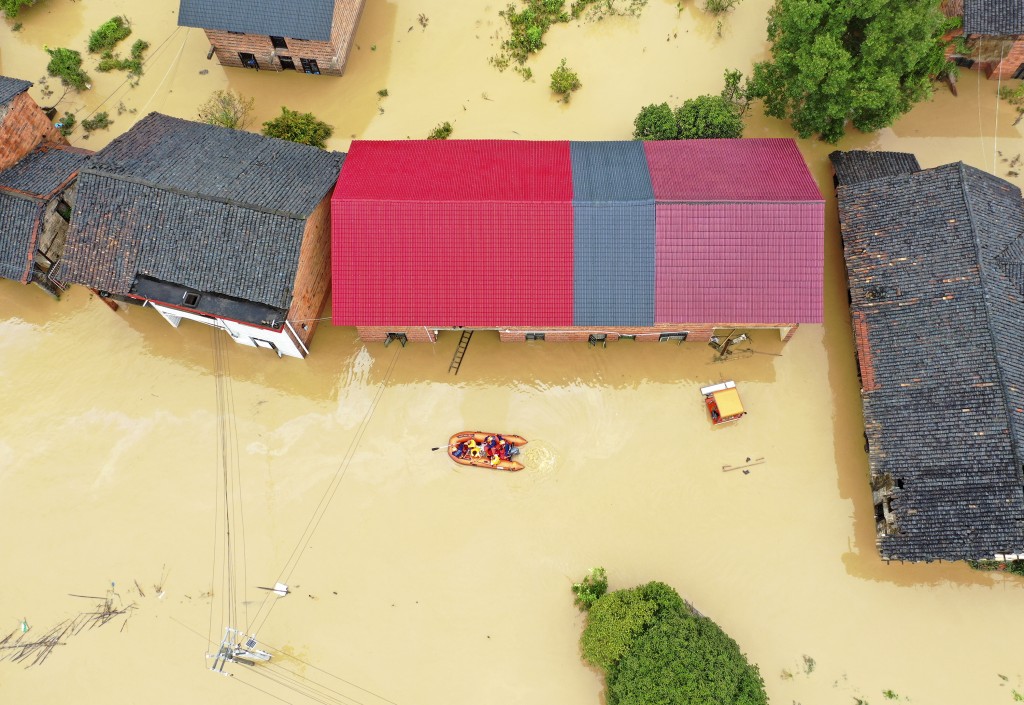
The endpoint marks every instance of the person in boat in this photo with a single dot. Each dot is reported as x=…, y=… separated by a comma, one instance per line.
x=460, y=450
x=495, y=460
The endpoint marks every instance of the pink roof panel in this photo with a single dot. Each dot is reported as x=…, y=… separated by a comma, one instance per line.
x=760, y=169
x=739, y=263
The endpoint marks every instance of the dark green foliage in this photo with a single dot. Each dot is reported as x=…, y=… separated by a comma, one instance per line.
x=66, y=64
x=382, y=93
x=100, y=121
x=655, y=122
x=303, y=128
x=736, y=91
x=1014, y=567
x=707, y=117
x=66, y=124
x=685, y=659
x=133, y=65
x=564, y=81
x=590, y=589
x=106, y=37
x=864, y=62
x=11, y=7
x=441, y=132
x=655, y=649
x=527, y=28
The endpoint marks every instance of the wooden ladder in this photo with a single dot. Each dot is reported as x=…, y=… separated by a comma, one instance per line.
x=460, y=351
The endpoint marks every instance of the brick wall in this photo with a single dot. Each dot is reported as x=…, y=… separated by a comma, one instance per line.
x=697, y=333
x=313, y=278
x=998, y=57
x=330, y=56
x=1012, y=60
x=23, y=125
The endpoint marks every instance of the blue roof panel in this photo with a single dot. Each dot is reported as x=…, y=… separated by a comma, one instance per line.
x=610, y=172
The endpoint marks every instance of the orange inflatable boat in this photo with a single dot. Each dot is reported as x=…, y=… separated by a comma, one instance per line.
x=470, y=448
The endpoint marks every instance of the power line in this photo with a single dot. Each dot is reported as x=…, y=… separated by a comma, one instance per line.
x=306, y=663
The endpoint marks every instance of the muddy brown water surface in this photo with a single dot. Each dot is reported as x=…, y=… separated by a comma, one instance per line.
x=426, y=583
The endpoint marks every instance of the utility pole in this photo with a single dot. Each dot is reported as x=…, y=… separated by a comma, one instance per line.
x=234, y=650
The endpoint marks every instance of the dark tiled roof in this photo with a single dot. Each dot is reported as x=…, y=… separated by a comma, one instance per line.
x=928, y=255
x=994, y=17
x=212, y=209
x=18, y=217
x=298, y=19
x=613, y=235
x=228, y=165
x=42, y=171
x=859, y=165
x=10, y=88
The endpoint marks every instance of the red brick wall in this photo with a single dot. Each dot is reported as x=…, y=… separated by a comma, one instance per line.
x=986, y=52
x=313, y=278
x=697, y=333
x=23, y=126
x=330, y=56
x=1012, y=60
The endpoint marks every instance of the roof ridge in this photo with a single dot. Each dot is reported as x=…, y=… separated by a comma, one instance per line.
x=192, y=194
x=988, y=317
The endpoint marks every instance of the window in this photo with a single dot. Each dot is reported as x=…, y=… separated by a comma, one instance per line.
x=248, y=60
x=190, y=299
x=400, y=337
x=63, y=210
x=286, y=63
x=278, y=42
x=230, y=32
x=678, y=337
x=596, y=338
x=535, y=336
x=310, y=66
x=627, y=337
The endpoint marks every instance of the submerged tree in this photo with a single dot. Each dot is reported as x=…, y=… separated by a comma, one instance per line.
x=707, y=117
x=11, y=7
x=303, y=128
x=227, y=109
x=864, y=62
x=655, y=122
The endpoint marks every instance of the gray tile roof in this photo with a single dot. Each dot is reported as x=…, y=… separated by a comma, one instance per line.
x=298, y=19
x=209, y=208
x=17, y=219
x=613, y=235
x=43, y=170
x=10, y=88
x=859, y=165
x=994, y=17
x=939, y=340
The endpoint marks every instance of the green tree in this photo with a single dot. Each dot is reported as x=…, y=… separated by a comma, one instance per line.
x=227, y=109
x=708, y=116
x=11, y=7
x=66, y=64
x=564, y=81
x=655, y=122
x=685, y=659
x=108, y=34
x=613, y=623
x=590, y=589
x=303, y=128
x=841, y=61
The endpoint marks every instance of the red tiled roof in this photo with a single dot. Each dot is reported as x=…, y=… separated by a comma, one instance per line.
x=739, y=263
x=459, y=233
x=761, y=169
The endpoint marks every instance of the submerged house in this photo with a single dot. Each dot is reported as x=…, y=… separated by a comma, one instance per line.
x=310, y=36
x=994, y=34
x=37, y=188
x=935, y=259
x=576, y=241
x=208, y=224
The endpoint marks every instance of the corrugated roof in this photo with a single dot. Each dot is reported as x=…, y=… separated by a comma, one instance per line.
x=994, y=17
x=11, y=88
x=927, y=257
x=740, y=263
x=859, y=165
x=760, y=169
x=43, y=170
x=298, y=19
x=613, y=235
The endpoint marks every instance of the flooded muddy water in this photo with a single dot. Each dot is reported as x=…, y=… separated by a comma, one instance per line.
x=421, y=582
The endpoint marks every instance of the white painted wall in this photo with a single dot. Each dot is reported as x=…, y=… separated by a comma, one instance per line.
x=283, y=342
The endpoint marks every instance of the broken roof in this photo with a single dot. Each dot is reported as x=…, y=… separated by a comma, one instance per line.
x=933, y=259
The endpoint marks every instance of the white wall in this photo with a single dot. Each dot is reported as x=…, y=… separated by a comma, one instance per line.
x=255, y=337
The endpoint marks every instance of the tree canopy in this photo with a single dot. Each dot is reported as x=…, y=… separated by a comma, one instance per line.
x=708, y=117
x=840, y=61
x=294, y=126
x=654, y=648
x=655, y=122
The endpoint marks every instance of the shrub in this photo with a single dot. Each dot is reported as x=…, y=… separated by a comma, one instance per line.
x=111, y=61
x=11, y=7
x=227, y=109
x=441, y=132
x=382, y=93
x=100, y=122
x=303, y=128
x=109, y=34
x=66, y=64
x=527, y=28
x=708, y=116
x=66, y=124
x=655, y=122
x=719, y=7
x=590, y=589
x=564, y=81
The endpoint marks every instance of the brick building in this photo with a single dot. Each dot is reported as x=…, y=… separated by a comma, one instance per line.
x=37, y=187
x=935, y=260
x=309, y=36
x=576, y=241
x=208, y=224
x=994, y=33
